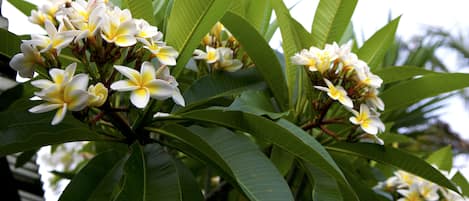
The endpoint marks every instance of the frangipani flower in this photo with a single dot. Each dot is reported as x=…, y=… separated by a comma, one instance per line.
x=55, y=40
x=166, y=55
x=38, y=17
x=428, y=190
x=227, y=63
x=373, y=99
x=143, y=84
x=411, y=194
x=369, y=123
x=145, y=30
x=64, y=94
x=91, y=27
x=305, y=58
x=163, y=74
x=368, y=78
x=24, y=62
x=336, y=93
x=59, y=78
x=97, y=95
x=122, y=33
x=211, y=56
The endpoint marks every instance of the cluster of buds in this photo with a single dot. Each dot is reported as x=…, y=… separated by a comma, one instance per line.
x=221, y=50
x=105, y=41
x=408, y=187
x=345, y=78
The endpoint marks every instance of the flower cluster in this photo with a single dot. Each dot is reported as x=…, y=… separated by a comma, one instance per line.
x=221, y=50
x=346, y=79
x=105, y=41
x=409, y=187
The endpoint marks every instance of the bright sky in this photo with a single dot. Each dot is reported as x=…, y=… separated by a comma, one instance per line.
x=369, y=16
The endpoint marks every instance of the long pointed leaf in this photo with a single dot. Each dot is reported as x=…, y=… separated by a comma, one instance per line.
x=189, y=21
x=238, y=156
x=287, y=136
x=262, y=55
x=374, y=49
x=412, y=91
x=394, y=74
x=24, y=6
x=152, y=174
x=394, y=157
x=142, y=9
x=331, y=20
x=11, y=43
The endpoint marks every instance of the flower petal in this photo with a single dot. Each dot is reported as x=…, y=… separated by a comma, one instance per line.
x=160, y=89
x=130, y=73
x=42, y=84
x=124, y=85
x=140, y=97
x=177, y=97
x=77, y=100
x=59, y=115
x=147, y=72
x=125, y=40
x=45, y=107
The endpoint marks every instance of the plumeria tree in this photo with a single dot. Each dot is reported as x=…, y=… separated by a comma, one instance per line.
x=185, y=100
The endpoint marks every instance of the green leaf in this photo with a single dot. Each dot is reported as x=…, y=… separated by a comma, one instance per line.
x=394, y=157
x=21, y=130
x=325, y=187
x=331, y=20
x=442, y=158
x=374, y=49
x=24, y=6
x=255, y=102
x=412, y=91
x=287, y=136
x=189, y=22
x=257, y=13
x=461, y=181
x=240, y=157
x=399, y=73
x=11, y=43
x=98, y=179
x=152, y=174
x=219, y=85
x=262, y=55
x=142, y=9
x=282, y=159
x=294, y=38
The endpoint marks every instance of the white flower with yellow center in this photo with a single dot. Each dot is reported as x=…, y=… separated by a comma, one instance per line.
x=305, y=58
x=411, y=194
x=368, y=122
x=164, y=74
x=145, y=30
x=121, y=33
x=336, y=93
x=90, y=28
x=366, y=77
x=38, y=17
x=166, y=55
x=210, y=56
x=143, y=84
x=428, y=190
x=65, y=93
x=59, y=78
x=24, y=62
x=372, y=99
x=227, y=63
x=97, y=95
x=54, y=40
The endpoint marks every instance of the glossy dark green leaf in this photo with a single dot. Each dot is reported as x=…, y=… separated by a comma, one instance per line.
x=442, y=158
x=262, y=55
x=219, y=85
x=412, y=91
x=255, y=102
x=152, y=174
x=374, y=49
x=189, y=22
x=21, y=130
x=24, y=6
x=142, y=9
x=25, y=157
x=325, y=187
x=331, y=20
x=282, y=159
x=238, y=156
x=398, y=73
x=394, y=157
x=287, y=136
x=10, y=43
x=98, y=180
